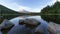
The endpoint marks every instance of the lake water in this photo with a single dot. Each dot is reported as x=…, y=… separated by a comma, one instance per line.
x=16, y=19
x=18, y=29
x=43, y=25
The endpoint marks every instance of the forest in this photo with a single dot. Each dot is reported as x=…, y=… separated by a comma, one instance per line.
x=51, y=13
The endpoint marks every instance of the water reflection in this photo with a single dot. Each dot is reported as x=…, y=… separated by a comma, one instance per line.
x=16, y=20
x=52, y=18
x=18, y=29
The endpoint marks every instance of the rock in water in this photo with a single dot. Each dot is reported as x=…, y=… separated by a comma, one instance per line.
x=21, y=22
x=30, y=22
x=51, y=30
x=39, y=30
x=6, y=25
x=56, y=27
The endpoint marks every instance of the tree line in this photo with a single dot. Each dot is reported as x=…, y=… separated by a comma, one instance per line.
x=51, y=13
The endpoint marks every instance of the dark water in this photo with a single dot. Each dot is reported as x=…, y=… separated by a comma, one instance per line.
x=52, y=18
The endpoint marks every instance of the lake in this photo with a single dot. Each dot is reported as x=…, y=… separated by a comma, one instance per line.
x=16, y=19
x=17, y=27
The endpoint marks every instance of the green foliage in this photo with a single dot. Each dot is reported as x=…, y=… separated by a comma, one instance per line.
x=51, y=13
x=55, y=9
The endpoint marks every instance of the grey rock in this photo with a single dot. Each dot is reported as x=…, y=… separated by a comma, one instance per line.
x=6, y=24
x=55, y=27
x=30, y=21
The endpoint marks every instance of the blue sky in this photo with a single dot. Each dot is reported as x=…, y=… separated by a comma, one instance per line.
x=29, y=5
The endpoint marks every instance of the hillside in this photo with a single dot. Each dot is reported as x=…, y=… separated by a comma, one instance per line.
x=51, y=13
x=52, y=10
x=5, y=10
x=7, y=13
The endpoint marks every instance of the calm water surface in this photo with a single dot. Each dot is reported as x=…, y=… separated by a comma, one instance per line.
x=16, y=20
x=17, y=27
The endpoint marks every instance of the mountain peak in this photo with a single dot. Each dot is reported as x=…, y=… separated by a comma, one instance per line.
x=23, y=11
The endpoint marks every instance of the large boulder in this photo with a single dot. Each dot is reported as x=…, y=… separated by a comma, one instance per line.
x=6, y=25
x=30, y=22
x=51, y=30
x=39, y=30
x=42, y=29
x=55, y=27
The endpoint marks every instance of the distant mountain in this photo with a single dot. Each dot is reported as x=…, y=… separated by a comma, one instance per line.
x=23, y=11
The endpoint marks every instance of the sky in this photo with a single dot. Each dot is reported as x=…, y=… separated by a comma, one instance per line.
x=29, y=5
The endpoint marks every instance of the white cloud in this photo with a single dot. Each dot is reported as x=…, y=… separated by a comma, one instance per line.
x=52, y=2
x=58, y=0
